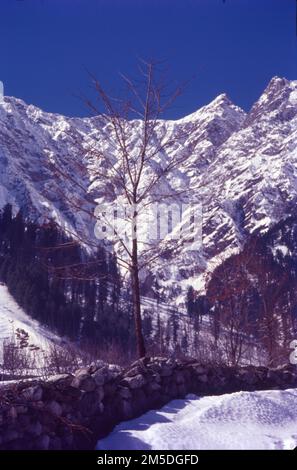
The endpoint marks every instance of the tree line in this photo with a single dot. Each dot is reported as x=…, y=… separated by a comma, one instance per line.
x=78, y=295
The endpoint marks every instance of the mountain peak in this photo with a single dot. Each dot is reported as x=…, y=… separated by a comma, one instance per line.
x=277, y=83
x=235, y=170
x=222, y=104
x=275, y=100
x=223, y=98
x=218, y=105
x=277, y=87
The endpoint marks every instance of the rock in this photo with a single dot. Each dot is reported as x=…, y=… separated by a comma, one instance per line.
x=42, y=443
x=134, y=382
x=82, y=371
x=10, y=435
x=90, y=402
x=60, y=379
x=33, y=393
x=181, y=389
x=70, y=395
x=47, y=419
x=199, y=370
x=166, y=371
x=23, y=420
x=138, y=368
x=113, y=371
x=101, y=407
x=271, y=375
x=125, y=409
x=84, y=382
x=100, y=376
x=100, y=394
x=124, y=392
x=55, y=443
x=67, y=441
x=35, y=429
x=109, y=389
x=173, y=390
x=157, y=377
x=133, y=371
x=139, y=401
x=250, y=377
x=139, y=364
x=165, y=399
x=13, y=413
x=55, y=408
x=154, y=386
x=187, y=375
x=38, y=405
x=154, y=399
x=170, y=362
x=203, y=378
x=158, y=360
x=154, y=367
x=179, y=378
x=97, y=365
x=21, y=409
x=66, y=408
x=288, y=377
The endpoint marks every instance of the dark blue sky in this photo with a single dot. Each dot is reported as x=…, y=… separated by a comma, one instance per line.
x=233, y=47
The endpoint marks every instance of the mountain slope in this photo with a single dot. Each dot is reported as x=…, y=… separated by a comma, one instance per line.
x=242, y=168
x=12, y=318
x=250, y=184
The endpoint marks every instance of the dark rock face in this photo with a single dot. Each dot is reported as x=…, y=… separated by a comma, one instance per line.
x=74, y=411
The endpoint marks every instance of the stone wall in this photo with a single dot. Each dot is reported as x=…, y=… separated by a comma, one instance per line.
x=74, y=411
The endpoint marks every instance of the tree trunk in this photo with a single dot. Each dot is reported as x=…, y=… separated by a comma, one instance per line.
x=136, y=301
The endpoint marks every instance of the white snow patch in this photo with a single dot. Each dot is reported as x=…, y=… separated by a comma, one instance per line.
x=13, y=317
x=242, y=420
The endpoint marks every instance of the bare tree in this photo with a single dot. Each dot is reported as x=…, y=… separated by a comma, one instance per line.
x=228, y=290
x=275, y=323
x=132, y=160
x=19, y=356
x=253, y=295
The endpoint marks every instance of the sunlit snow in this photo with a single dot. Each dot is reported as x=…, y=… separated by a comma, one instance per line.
x=12, y=317
x=243, y=420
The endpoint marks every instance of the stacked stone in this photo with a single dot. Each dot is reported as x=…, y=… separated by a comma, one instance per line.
x=74, y=411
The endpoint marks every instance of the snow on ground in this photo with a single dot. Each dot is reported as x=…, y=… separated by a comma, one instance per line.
x=242, y=420
x=13, y=317
x=252, y=352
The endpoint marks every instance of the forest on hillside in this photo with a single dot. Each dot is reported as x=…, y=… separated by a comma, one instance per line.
x=253, y=294
x=250, y=298
x=55, y=281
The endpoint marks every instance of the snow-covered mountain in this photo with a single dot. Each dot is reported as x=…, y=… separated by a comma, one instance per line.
x=241, y=167
x=248, y=185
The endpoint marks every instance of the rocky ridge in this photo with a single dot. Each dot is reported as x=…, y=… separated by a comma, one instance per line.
x=240, y=167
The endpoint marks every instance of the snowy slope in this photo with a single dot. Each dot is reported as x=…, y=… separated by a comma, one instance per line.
x=13, y=317
x=250, y=184
x=242, y=168
x=243, y=420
